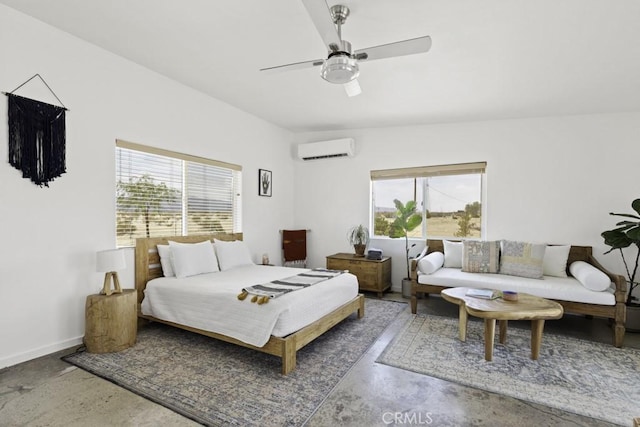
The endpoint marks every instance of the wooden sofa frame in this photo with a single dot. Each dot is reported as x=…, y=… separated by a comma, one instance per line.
x=617, y=313
x=148, y=267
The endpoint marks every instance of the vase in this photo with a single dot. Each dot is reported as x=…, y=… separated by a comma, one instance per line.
x=633, y=318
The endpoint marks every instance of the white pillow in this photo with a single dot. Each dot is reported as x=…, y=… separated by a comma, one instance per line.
x=190, y=259
x=590, y=277
x=165, y=261
x=431, y=263
x=554, y=262
x=422, y=254
x=232, y=254
x=452, y=254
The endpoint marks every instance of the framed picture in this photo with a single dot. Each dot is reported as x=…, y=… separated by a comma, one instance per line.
x=265, y=183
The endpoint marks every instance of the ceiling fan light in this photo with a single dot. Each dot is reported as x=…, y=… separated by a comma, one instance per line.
x=340, y=69
x=352, y=88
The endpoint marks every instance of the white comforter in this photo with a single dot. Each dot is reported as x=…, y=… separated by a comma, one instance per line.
x=209, y=302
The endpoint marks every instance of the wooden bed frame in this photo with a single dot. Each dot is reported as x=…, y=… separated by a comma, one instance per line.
x=148, y=267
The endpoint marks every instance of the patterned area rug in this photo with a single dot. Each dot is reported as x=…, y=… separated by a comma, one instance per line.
x=582, y=377
x=216, y=383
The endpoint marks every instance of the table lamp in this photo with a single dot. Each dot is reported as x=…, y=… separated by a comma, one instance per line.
x=109, y=261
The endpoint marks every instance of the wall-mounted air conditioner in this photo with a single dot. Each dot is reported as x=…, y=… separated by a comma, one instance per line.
x=327, y=149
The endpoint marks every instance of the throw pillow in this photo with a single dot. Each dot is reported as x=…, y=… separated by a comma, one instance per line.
x=555, y=260
x=522, y=259
x=452, y=254
x=431, y=263
x=480, y=257
x=190, y=259
x=589, y=276
x=232, y=254
x=165, y=260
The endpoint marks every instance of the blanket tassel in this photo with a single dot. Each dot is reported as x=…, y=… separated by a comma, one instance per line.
x=242, y=295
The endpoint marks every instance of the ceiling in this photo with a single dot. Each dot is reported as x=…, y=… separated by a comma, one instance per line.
x=491, y=59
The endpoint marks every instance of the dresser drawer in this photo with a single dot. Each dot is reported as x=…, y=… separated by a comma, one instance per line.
x=373, y=275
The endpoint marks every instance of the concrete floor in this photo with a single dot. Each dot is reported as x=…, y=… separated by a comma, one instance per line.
x=49, y=392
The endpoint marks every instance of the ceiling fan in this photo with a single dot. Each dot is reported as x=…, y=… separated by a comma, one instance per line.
x=341, y=65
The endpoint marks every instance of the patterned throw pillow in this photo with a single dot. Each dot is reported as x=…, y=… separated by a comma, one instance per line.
x=522, y=259
x=480, y=257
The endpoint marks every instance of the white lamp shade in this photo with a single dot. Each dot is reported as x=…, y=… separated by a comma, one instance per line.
x=110, y=260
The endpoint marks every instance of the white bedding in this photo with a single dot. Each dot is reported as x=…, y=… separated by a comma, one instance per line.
x=209, y=302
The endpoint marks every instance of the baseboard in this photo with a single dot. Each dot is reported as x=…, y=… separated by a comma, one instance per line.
x=39, y=352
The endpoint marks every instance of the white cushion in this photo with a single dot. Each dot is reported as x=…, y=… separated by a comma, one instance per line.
x=422, y=254
x=165, y=261
x=558, y=288
x=190, y=259
x=555, y=260
x=452, y=254
x=232, y=254
x=589, y=276
x=431, y=263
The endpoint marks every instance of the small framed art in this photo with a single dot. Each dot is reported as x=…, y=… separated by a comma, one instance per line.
x=265, y=183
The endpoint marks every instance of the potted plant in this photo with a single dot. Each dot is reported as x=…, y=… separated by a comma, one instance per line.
x=625, y=235
x=358, y=237
x=407, y=219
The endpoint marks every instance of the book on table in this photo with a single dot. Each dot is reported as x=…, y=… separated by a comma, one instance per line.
x=483, y=293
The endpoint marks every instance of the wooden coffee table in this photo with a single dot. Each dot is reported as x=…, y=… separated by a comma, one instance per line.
x=528, y=307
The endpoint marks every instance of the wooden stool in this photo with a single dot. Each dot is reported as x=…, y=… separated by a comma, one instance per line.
x=111, y=322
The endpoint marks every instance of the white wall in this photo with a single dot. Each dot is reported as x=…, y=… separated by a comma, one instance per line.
x=548, y=179
x=50, y=235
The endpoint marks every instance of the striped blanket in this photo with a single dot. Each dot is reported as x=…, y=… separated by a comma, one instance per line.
x=274, y=289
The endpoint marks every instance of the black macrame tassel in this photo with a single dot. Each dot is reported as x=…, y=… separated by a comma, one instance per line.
x=36, y=139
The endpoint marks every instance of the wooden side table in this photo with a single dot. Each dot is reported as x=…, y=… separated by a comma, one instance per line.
x=111, y=322
x=373, y=275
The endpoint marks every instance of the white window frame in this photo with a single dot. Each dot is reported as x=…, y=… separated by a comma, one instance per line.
x=426, y=172
x=186, y=159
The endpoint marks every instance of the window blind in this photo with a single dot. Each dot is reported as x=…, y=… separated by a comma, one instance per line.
x=164, y=193
x=428, y=171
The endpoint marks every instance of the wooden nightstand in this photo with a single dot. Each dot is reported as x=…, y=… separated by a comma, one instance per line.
x=111, y=322
x=373, y=275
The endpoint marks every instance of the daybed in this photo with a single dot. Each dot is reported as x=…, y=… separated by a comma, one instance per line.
x=208, y=304
x=568, y=291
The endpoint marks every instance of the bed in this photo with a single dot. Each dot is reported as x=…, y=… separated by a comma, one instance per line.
x=298, y=322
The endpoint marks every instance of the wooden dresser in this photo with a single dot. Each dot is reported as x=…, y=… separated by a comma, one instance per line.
x=373, y=275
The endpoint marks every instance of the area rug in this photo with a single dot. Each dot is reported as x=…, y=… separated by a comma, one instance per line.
x=216, y=383
x=583, y=377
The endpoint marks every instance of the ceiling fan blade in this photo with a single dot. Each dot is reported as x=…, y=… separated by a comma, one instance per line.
x=294, y=66
x=405, y=47
x=352, y=88
x=321, y=17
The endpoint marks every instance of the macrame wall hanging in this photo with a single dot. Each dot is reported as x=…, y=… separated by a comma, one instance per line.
x=36, y=136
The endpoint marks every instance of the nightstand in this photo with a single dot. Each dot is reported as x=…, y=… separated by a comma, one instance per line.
x=110, y=322
x=373, y=275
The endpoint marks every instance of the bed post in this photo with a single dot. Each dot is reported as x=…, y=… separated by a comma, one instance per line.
x=288, y=354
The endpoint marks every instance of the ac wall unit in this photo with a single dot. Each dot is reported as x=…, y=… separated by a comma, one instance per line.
x=344, y=147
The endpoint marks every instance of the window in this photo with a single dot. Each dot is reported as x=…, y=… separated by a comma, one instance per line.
x=449, y=197
x=163, y=193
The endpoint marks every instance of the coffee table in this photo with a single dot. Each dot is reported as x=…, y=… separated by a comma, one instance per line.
x=527, y=307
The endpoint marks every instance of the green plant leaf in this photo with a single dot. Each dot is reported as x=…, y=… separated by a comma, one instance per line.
x=636, y=205
x=616, y=239
x=634, y=234
x=625, y=215
x=413, y=222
